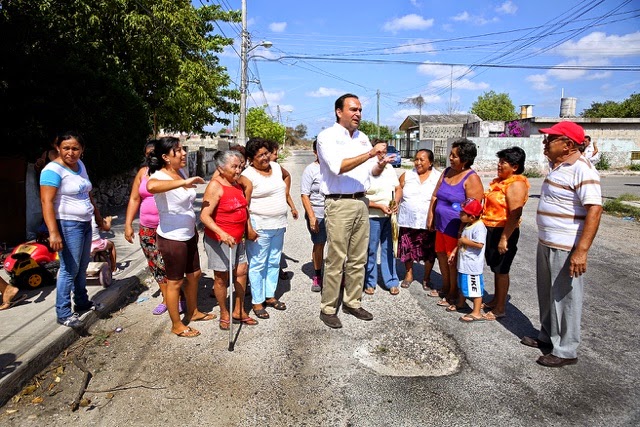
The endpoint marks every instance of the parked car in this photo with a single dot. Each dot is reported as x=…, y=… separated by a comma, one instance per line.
x=398, y=160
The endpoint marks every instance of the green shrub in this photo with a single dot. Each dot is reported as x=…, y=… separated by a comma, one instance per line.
x=635, y=167
x=603, y=164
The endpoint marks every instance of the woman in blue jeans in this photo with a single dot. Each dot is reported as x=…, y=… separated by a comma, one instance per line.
x=266, y=192
x=67, y=208
x=381, y=205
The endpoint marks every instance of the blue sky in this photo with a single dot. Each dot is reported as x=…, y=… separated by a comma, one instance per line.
x=322, y=49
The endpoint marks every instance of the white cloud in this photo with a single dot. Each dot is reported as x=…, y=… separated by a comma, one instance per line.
x=415, y=3
x=324, y=92
x=463, y=17
x=600, y=75
x=413, y=46
x=561, y=74
x=446, y=76
x=437, y=70
x=271, y=98
x=599, y=45
x=408, y=22
x=447, y=27
x=474, y=19
x=508, y=8
x=539, y=81
x=278, y=27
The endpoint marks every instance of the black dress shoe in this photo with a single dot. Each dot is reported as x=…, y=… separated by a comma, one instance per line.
x=535, y=343
x=359, y=312
x=331, y=320
x=552, y=361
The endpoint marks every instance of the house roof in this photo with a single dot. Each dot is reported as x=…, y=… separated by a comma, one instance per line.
x=582, y=120
x=412, y=121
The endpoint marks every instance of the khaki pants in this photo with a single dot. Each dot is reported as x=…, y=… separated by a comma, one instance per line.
x=347, y=222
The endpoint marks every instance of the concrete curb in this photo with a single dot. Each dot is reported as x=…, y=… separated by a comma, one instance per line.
x=38, y=357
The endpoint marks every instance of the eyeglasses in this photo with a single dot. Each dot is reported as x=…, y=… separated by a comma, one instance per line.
x=548, y=139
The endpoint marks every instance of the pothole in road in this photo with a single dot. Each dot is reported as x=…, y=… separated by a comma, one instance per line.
x=400, y=354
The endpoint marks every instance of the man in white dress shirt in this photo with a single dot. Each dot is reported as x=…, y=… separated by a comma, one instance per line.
x=347, y=159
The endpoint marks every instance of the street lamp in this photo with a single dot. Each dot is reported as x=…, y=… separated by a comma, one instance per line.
x=244, y=60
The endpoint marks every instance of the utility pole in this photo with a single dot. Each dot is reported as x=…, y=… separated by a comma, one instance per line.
x=245, y=48
x=378, y=109
x=244, y=44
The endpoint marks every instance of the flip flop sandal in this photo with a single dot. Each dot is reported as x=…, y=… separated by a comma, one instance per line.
x=405, y=284
x=206, y=317
x=468, y=318
x=188, y=333
x=278, y=305
x=224, y=325
x=246, y=321
x=261, y=314
x=443, y=303
x=486, y=307
x=454, y=307
x=369, y=291
x=490, y=315
x=160, y=309
x=15, y=301
x=394, y=290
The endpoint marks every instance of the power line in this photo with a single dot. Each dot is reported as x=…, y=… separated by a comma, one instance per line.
x=451, y=64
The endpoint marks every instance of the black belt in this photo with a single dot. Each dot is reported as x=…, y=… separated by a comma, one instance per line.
x=345, y=196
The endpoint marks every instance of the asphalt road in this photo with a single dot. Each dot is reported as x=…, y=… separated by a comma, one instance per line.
x=413, y=365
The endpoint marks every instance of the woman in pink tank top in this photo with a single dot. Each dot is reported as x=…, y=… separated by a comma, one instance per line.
x=141, y=200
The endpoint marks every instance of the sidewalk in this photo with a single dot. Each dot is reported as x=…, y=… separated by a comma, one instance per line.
x=30, y=337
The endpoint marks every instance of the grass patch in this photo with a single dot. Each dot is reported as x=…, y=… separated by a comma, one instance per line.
x=635, y=167
x=617, y=208
x=532, y=173
x=627, y=197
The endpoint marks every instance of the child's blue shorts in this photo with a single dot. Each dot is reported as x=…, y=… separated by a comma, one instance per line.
x=471, y=285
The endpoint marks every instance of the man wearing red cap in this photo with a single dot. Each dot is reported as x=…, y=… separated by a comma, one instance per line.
x=568, y=217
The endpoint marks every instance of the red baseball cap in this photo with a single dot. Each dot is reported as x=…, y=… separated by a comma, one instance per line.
x=569, y=129
x=472, y=207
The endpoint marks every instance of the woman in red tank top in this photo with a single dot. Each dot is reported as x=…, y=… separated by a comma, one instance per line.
x=224, y=214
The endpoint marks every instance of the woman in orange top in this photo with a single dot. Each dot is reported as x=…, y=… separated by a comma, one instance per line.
x=503, y=206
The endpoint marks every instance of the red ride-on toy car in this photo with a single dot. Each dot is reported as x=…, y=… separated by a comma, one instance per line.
x=32, y=265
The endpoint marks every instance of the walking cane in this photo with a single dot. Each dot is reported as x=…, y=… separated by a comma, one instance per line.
x=230, y=299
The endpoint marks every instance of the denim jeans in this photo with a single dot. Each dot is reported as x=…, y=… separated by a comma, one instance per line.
x=264, y=263
x=74, y=259
x=380, y=235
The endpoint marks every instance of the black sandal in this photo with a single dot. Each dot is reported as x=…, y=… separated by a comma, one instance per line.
x=278, y=305
x=261, y=314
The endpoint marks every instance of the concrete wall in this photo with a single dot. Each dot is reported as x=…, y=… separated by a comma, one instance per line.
x=616, y=150
x=488, y=147
x=484, y=128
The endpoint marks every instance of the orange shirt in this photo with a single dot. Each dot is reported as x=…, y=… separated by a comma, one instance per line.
x=496, y=209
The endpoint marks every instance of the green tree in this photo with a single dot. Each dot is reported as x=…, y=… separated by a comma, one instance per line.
x=110, y=69
x=371, y=130
x=629, y=108
x=260, y=125
x=494, y=106
x=300, y=131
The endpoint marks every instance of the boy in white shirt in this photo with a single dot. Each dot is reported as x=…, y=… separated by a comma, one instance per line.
x=470, y=251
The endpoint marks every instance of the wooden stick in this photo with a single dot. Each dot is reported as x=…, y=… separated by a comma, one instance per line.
x=85, y=382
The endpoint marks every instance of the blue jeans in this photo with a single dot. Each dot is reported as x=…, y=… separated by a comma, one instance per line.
x=264, y=263
x=74, y=259
x=380, y=235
